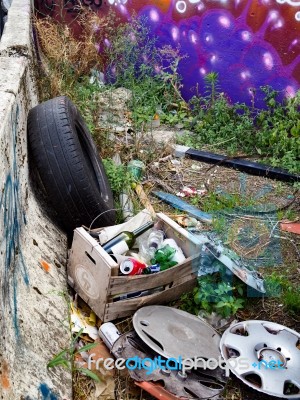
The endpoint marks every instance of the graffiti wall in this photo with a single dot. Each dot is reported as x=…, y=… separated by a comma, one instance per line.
x=250, y=43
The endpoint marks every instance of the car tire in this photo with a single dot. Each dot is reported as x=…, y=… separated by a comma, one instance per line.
x=69, y=166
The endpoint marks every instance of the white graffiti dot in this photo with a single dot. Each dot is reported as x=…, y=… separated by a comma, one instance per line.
x=224, y=21
x=268, y=60
x=246, y=36
x=175, y=33
x=181, y=6
x=279, y=24
x=297, y=16
x=194, y=1
x=111, y=2
x=154, y=16
x=193, y=37
x=208, y=39
x=245, y=74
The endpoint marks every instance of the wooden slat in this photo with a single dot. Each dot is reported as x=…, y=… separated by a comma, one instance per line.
x=125, y=308
x=125, y=284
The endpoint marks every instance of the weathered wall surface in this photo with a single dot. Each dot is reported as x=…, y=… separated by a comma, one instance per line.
x=250, y=43
x=33, y=312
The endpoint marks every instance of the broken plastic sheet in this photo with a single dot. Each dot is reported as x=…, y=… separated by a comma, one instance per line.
x=250, y=239
x=253, y=234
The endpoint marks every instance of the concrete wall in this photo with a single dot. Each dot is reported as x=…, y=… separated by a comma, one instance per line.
x=249, y=43
x=33, y=311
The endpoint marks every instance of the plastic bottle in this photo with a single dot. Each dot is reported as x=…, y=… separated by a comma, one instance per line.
x=149, y=246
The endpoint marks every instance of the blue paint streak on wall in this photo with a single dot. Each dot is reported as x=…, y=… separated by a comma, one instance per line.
x=12, y=217
x=47, y=393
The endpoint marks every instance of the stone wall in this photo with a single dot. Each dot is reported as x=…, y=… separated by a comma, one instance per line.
x=33, y=313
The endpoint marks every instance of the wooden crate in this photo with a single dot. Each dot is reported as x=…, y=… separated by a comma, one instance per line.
x=94, y=274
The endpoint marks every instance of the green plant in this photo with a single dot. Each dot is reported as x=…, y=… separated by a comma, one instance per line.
x=213, y=295
x=66, y=358
x=276, y=284
x=280, y=286
x=119, y=177
x=219, y=201
x=291, y=300
x=272, y=133
x=187, y=303
x=135, y=62
x=218, y=297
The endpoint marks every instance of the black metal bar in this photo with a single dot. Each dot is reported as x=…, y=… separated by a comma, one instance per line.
x=243, y=165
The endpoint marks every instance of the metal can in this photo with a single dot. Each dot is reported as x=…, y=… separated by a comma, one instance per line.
x=152, y=269
x=131, y=266
x=109, y=333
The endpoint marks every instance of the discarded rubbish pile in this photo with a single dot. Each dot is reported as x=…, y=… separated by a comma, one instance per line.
x=115, y=280
x=170, y=346
x=172, y=354
x=119, y=269
x=150, y=260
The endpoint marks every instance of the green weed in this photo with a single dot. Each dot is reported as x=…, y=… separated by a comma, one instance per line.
x=66, y=358
x=214, y=295
x=120, y=179
x=273, y=133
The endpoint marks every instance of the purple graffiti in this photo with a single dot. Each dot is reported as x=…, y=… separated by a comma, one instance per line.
x=218, y=42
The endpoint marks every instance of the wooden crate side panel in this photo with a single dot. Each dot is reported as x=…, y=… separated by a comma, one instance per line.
x=126, y=308
x=120, y=284
x=189, y=244
x=89, y=271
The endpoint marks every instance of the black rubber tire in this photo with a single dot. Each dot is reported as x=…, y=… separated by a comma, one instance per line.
x=68, y=163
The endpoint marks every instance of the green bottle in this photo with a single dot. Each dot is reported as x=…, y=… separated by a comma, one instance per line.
x=121, y=243
x=163, y=257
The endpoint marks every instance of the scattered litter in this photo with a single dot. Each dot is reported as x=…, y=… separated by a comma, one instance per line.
x=293, y=227
x=187, y=222
x=86, y=322
x=188, y=191
x=109, y=333
x=177, y=335
x=166, y=158
x=175, y=162
x=196, y=167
